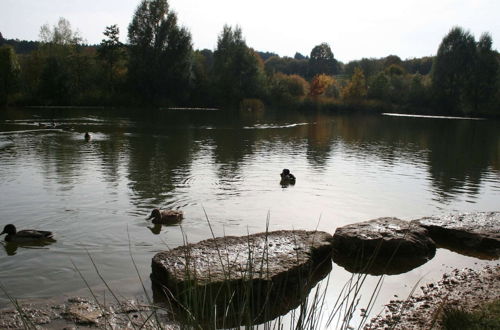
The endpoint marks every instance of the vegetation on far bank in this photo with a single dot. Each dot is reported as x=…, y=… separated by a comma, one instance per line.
x=159, y=67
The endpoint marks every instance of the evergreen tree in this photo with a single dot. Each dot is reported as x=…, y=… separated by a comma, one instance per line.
x=112, y=53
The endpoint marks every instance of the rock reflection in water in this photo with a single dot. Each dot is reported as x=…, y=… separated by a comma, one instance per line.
x=245, y=303
x=378, y=264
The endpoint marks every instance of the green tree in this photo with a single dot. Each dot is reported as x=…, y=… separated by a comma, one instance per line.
x=112, y=54
x=379, y=87
x=485, y=77
x=322, y=61
x=9, y=74
x=66, y=75
x=60, y=39
x=453, y=69
x=160, y=54
x=55, y=82
x=238, y=70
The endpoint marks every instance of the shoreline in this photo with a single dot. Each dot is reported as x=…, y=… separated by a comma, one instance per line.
x=466, y=288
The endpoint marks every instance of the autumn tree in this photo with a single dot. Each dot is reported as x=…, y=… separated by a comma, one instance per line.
x=356, y=88
x=160, y=54
x=322, y=61
x=323, y=84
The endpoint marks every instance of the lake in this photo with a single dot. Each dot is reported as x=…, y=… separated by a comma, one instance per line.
x=224, y=166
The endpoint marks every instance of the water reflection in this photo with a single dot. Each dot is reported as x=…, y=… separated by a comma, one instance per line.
x=349, y=168
x=12, y=247
x=158, y=157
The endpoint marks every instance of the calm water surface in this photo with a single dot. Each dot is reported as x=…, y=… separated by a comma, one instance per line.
x=96, y=195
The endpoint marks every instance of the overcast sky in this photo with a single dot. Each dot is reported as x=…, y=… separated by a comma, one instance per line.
x=353, y=28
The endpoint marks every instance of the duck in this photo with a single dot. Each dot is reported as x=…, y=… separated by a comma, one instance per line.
x=27, y=235
x=166, y=217
x=287, y=177
x=87, y=136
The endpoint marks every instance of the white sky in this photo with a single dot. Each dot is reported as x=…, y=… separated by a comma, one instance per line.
x=353, y=28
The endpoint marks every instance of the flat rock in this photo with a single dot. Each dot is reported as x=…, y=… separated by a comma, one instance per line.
x=475, y=234
x=82, y=311
x=230, y=273
x=382, y=246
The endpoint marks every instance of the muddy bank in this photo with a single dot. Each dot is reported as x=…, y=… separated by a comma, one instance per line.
x=466, y=288
x=80, y=312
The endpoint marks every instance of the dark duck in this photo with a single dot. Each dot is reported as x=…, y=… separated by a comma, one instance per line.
x=166, y=217
x=287, y=177
x=27, y=235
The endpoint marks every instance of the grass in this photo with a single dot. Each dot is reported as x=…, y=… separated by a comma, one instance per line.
x=486, y=317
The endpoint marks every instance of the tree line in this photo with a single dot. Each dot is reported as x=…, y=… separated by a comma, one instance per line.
x=159, y=67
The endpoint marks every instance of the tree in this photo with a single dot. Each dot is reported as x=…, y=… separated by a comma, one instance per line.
x=485, y=76
x=160, y=54
x=55, y=82
x=9, y=73
x=112, y=53
x=356, y=88
x=453, y=69
x=465, y=73
x=379, y=87
x=322, y=61
x=321, y=84
x=299, y=56
x=60, y=39
x=65, y=74
x=238, y=70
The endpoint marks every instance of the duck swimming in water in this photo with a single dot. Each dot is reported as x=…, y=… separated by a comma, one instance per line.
x=22, y=236
x=287, y=177
x=166, y=217
x=87, y=136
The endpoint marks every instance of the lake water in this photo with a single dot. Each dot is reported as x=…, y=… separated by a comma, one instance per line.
x=96, y=195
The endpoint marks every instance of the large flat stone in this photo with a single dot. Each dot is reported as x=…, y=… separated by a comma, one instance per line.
x=242, y=280
x=382, y=246
x=475, y=234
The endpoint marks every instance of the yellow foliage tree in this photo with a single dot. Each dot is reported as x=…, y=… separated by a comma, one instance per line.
x=320, y=84
x=356, y=88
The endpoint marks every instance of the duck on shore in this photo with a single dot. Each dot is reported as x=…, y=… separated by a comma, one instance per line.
x=27, y=235
x=166, y=217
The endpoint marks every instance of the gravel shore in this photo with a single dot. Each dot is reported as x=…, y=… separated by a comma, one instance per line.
x=466, y=288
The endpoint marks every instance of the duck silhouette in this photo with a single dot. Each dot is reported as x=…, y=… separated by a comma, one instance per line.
x=87, y=136
x=166, y=217
x=287, y=177
x=24, y=236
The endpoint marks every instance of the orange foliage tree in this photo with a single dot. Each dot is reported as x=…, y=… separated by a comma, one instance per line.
x=322, y=84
